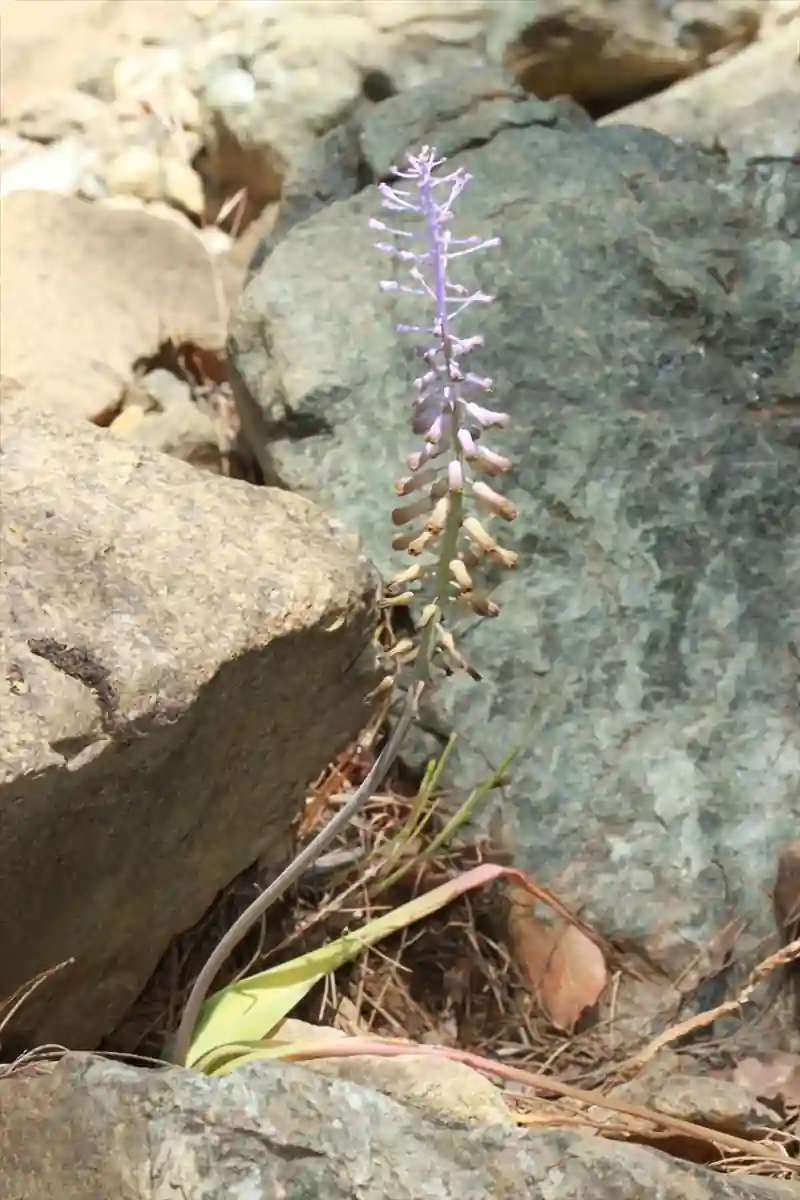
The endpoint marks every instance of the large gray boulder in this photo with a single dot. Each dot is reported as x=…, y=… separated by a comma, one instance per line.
x=644, y=342
x=182, y=654
x=92, y=1130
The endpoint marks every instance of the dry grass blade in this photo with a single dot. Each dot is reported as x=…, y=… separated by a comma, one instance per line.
x=781, y=958
x=13, y=1003
x=33, y=1061
x=542, y=1083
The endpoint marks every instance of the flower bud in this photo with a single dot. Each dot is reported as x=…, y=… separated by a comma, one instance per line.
x=494, y=501
x=461, y=575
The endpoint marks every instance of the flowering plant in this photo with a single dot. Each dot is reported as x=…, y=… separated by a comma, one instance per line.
x=447, y=487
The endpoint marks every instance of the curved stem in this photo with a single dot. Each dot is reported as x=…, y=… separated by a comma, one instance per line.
x=306, y=858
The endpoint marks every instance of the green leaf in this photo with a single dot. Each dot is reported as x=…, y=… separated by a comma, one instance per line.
x=265, y=1051
x=211, y=1062
x=250, y=1009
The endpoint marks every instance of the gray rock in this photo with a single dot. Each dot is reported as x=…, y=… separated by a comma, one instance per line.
x=281, y=1130
x=181, y=657
x=310, y=67
x=703, y=1100
x=643, y=341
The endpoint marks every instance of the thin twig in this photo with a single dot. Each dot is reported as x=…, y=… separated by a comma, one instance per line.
x=361, y=1046
x=781, y=958
x=13, y=1003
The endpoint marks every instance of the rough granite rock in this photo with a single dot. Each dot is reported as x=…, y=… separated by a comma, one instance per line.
x=704, y=1100
x=749, y=104
x=644, y=342
x=161, y=414
x=92, y=1130
x=182, y=655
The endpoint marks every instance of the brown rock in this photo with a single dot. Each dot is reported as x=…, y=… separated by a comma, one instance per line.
x=749, y=103
x=181, y=656
x=143, y=172
x=600, y=51
x=161, y=415
x=42, y=40
x=88, y=291
x=445, y=1089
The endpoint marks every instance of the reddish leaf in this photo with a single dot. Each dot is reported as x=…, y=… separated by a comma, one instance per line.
x=533, y=940
x=574, y=979
x=565, y=967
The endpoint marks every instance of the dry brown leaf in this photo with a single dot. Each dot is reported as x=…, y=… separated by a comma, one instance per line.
x=564, y=966
x=786, y=896
x=532, y=939
x=574, y=979
x=773, y=1078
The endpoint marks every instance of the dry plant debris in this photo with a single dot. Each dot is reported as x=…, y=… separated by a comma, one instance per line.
x=491, y=981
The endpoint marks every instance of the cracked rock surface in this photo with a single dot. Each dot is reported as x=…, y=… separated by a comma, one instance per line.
x=179, y=661
x=281, y=1130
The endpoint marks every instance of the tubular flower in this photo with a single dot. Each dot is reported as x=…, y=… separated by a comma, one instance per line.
x=447, y=410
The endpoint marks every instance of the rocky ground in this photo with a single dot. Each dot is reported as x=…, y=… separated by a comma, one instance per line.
x=189, y=312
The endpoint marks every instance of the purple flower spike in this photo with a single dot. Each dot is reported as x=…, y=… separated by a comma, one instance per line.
x=444, y=411
x=442, y=406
